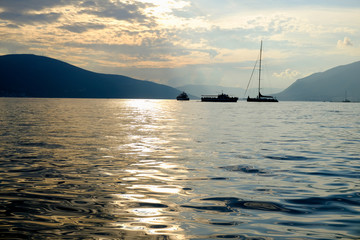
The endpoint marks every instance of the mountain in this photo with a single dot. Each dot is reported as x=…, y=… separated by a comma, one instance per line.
x=331, y=85
x=198, y=90
x=26, y=75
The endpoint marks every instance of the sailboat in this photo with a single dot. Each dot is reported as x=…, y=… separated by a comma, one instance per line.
x=346, y=99
x=260, y=97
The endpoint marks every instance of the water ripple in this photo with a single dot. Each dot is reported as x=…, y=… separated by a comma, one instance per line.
x=162, y=169
x=230, y=204
x=244, y=169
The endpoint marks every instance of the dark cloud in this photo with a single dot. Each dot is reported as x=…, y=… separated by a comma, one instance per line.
x=12, y=26
x=131, y=12
x=19, y=11
x=88, y=4
x=29, y=5
x=82, y=27
x=27, y=18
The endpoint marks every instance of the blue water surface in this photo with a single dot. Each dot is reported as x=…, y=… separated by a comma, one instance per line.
x=163, y=169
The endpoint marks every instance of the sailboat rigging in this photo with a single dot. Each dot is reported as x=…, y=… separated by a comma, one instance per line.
x=260, y=97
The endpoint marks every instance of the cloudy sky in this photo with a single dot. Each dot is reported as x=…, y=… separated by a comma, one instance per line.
x=178, y=42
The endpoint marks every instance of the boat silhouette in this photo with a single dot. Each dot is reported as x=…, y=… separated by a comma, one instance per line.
x=183, y=97
x=218, y=98
x=260, y=97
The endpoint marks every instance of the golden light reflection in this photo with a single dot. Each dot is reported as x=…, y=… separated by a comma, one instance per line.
x=158, y=189
x=145, y=104
x=148, y=211
x=158, y=229
x=150, y=184
x=148, y=122
x=149, y=180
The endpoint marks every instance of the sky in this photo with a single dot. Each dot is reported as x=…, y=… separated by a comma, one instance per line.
x=180, y=42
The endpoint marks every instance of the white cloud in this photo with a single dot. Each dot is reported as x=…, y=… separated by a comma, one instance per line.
x=344, y=43
x=287, y=74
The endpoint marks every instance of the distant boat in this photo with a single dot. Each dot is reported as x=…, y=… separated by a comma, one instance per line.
x=218, y=98
x=346, y=99
x=260, y=97
x=183, y=97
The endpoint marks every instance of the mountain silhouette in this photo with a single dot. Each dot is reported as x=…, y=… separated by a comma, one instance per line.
x=331, y=85
x=26, y=75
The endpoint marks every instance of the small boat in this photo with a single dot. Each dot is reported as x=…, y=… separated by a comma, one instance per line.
x=346, y=99
x=183, y=97
x=260, y=97
x=218, y=98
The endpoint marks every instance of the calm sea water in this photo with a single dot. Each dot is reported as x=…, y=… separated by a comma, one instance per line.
x=162, y=169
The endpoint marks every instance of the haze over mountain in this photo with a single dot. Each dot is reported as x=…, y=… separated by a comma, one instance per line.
x=331, y=85
x=25, y=75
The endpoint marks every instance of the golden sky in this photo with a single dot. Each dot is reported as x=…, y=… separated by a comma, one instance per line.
x=183, y=42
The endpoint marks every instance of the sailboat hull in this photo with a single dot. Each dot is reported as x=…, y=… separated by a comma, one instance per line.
x=262, y=100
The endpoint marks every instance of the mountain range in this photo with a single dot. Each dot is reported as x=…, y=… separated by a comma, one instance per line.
x=27, y=75
x=332, y=85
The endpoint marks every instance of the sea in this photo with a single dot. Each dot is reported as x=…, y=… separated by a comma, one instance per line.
x=167, y=169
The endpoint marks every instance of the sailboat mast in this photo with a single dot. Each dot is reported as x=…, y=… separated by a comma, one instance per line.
x=260, y=67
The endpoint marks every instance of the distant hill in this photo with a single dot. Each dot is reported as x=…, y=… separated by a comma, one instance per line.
x=198, y=90
x=25, y=75
x=331, y=85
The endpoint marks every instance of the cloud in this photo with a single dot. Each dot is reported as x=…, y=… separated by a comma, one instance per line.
x=287, y=74
x=82, y=27
x=88, y=4
x=28, y=18
x=123, y=11
x=202, y=41
x=12, y=26
x=31, y=11
x=22, y=12
x=29, y=5
x=188, y=11
x=148, y=50
x=344, y=43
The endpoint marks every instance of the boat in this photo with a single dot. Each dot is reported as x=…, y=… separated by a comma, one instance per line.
x=183, y=97
x=218, y=98
x=260, y=97
x=346, y=99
